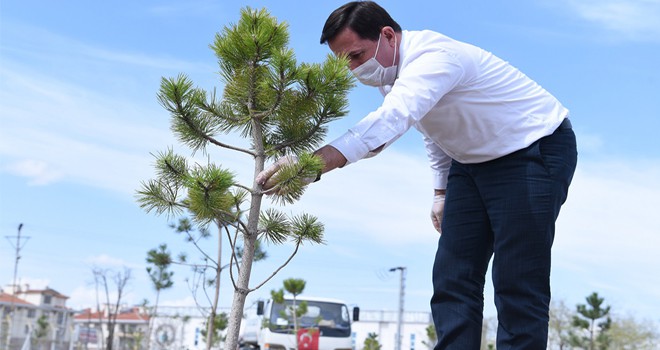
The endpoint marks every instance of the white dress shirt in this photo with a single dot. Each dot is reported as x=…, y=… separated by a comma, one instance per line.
x=468, y=104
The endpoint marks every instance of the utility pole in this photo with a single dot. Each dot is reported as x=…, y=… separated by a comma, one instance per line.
x=399, y=323
x=18, y=255
x=18, y=246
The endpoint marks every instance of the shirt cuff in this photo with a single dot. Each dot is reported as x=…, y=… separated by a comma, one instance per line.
x=439, y=180
x=350, y=146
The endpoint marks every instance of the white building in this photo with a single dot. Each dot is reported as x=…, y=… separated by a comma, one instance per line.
x=130, y=330
x=385, y=325
x=36, y=318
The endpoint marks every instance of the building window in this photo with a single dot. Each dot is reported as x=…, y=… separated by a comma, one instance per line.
x=32, y=313
x=48, y=299
x=60, y=318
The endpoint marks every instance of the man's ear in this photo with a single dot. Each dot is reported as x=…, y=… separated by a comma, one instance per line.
x=389, y=33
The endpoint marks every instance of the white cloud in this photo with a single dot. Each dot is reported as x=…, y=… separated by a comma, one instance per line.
x=54, y=129
x=629, y=19
x=83, y=297
x=203, y=7
x=590, y=143
x=611, y=209
x=89, y=296
x=387, y=198
x=26, y=283
x=105, y=261
x=187, y=301
x=37, y=171
x=34, y=43
x=607, y=235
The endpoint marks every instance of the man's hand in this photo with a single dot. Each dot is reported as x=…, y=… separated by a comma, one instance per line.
x=437, y=210
x=267, y=177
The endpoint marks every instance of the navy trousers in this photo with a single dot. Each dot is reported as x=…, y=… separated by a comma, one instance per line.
x=505, y=209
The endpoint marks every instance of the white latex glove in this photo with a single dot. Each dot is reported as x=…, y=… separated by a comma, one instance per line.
x=437, y=210
x=264, y=178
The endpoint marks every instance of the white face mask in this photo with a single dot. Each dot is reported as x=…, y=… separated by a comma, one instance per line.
x=373, y=73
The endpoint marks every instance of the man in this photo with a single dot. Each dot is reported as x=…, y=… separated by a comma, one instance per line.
x=502, y=153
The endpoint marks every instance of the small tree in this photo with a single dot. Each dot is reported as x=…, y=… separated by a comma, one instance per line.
x=295, y=287
x=220, y=324
x=371, y=342
x=629, y=333
x=560, y=325
x=161, y=278
x=206, y=274
x=431, y=336
x=120, y=280
x=41, y=332
x=586, y=320
x=138, y=337
x=282, y=108
x=488, y=333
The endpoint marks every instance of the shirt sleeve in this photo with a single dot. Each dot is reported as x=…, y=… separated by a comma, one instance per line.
x=420, y=85
x=440, y=163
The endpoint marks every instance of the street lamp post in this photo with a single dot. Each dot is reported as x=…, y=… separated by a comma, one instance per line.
x=399, y=323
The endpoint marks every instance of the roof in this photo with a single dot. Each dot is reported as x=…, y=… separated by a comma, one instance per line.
x=47, y=291
x=312, y=298
x=9, y=298
x=132, y=315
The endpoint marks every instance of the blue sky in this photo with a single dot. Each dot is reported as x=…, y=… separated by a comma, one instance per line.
x=79, y=119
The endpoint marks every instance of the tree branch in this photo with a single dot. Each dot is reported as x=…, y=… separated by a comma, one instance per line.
x=276, y=271
x=185, y=117
x=304, y=138
x=194, y=242
x=231, y=261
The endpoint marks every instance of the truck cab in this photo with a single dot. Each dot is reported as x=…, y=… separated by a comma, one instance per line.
x=326, y=325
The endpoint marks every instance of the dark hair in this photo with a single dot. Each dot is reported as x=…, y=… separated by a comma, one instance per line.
x=365, y=18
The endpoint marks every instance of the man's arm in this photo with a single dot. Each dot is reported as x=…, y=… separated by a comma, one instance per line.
x=332, y=158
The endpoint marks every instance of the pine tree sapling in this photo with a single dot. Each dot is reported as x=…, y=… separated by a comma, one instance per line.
x=432, y=337
x=295, y=287
x=371, y=342
x=159, y=261
x=41, y=331
x=281, y=107
x=220, y=324
x=587, y=321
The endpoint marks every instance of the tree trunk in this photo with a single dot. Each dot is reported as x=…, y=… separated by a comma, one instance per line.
x=242, y=285
x=241, y=289
x=591, y=334
x=295, y=321
x=152, y=317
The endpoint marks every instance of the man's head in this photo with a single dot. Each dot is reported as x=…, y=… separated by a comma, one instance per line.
x=365, y=18
x=362, y=30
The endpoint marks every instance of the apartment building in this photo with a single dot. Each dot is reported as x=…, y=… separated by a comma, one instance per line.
x=130, y=331
x=37, y=318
